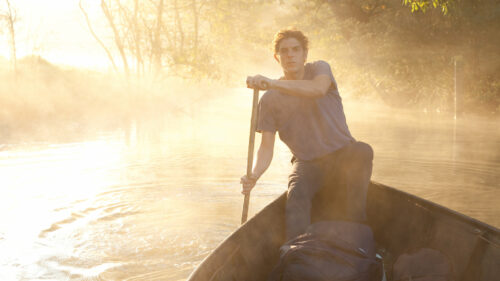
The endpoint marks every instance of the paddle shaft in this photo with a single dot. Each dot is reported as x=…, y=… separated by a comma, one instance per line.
x=253, y=125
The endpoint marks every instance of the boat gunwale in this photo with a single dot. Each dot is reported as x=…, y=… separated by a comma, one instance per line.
x=233, y=236
x=436, y=208
x=487, y=232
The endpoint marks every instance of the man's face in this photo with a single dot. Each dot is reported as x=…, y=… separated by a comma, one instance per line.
x=291, y=55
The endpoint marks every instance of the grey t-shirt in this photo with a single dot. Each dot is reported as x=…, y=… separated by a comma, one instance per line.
x=310, y=127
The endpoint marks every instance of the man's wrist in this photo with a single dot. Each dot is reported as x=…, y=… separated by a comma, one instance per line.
x=255, y=176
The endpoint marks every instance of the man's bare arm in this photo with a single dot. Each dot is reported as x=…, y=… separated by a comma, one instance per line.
x=304, y=88
x=264, y=158
x=317, y=87
x=264, y=154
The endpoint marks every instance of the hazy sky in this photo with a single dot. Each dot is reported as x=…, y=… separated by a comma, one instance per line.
x=56, y=30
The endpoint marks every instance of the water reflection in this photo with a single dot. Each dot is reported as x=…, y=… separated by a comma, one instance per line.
x=150, y=199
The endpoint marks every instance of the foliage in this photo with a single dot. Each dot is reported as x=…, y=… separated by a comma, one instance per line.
x=48, y=99
x=9, y=18
x=424, y=5
x=375, y=47
x=187, y=38
x=406, y=58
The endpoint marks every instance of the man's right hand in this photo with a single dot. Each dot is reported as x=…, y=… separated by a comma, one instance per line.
x=259, y=82
x=247, y=184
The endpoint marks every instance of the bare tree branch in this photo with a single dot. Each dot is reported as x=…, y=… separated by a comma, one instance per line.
x=118, y=39
x=195, y=15
x=137, y=39
x=11, y=19
x=157, y=46
x=179, y=26
x=108, y=53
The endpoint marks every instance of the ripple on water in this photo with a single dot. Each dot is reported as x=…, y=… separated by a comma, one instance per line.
x=155, y=207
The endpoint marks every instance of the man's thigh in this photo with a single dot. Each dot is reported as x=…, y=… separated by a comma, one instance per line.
x=346, y=176
x=305, y=180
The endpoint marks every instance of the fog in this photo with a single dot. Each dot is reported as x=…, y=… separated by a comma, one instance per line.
x=123, y=134
x=81, y=60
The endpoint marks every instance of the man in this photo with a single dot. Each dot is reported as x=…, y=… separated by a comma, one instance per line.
x=305, y=108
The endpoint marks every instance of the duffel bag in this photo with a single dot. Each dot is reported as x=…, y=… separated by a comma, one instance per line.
x=330, y=251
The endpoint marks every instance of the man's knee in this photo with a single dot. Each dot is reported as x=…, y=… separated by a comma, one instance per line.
x=362, y=152
x=296, y=193
x=303, y=183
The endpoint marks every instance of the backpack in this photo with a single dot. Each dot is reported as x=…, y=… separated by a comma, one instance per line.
x=329, y=251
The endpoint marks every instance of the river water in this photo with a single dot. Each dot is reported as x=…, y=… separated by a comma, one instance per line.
x=149, y=198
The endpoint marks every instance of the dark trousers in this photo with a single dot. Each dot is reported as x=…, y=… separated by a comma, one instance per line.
x=345, y=173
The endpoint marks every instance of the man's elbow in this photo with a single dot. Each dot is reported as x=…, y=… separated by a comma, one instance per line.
x=319, y=92
x=321, y=85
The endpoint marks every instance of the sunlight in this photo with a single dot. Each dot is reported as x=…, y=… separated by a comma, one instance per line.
x=58, y=173
x=38, y=180
x=39, y=188
x=56, y=30
x=4, y=50
x=125, y=125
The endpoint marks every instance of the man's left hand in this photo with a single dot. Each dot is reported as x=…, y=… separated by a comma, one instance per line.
x=259, y=82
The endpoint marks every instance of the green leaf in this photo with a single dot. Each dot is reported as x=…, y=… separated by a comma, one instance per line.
x=414, y=7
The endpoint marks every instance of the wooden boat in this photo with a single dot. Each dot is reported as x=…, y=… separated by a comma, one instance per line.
x=400, y=221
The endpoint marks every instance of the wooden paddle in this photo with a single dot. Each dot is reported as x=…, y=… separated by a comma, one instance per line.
x=253, y=125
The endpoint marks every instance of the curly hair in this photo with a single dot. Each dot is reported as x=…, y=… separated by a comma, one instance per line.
x=290, y=33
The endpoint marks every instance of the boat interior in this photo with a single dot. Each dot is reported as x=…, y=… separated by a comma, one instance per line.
x=402, y=223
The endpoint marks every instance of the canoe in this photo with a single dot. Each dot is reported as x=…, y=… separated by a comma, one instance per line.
x=400, y=221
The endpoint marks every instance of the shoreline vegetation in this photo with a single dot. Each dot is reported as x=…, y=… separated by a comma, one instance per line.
x=44, y=99
x=43, y=96
x=401, y=54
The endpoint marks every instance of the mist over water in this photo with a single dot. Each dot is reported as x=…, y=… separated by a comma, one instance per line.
x=112, y=169
x=150, y=197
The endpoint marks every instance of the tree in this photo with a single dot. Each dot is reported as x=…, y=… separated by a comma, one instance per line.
x=187, y=38
x=9, y=16
x=152, y=33
x=405, y=57
x=424, y=5
x=89, y=24
x=118, y=36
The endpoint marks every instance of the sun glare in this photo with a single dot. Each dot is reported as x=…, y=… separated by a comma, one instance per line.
x=69, y=173
x=56, y=31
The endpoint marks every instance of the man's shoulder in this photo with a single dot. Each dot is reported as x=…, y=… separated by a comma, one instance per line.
x=318, y=64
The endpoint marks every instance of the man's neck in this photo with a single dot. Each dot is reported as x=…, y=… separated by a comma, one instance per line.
x=299, y=75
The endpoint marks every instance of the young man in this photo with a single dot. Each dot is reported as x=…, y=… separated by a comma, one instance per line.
x=305, y=108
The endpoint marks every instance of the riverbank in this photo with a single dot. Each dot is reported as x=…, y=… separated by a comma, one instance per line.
x=44, y=99
x=43, y=96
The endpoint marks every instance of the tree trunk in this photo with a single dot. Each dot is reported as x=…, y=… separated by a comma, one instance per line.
x=157, y=47
x=195, y=15
x=137, y=39
x=118, y=39
x=179, y=27
x=10, y=22
x=108, y=53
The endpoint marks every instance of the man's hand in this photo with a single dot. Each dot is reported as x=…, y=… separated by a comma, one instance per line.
x=247, y=183
x=259, y=82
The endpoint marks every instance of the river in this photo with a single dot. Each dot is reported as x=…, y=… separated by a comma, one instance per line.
x=149, y=198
